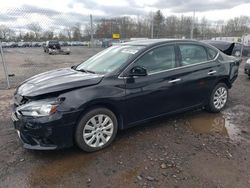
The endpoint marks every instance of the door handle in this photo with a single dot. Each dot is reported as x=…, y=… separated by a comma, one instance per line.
x=211, y=72
x=174, y=81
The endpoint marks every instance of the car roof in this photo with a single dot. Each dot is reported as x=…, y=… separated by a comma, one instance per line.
x=149, y=42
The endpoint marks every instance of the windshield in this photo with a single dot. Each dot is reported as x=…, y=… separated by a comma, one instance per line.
x=109, y=60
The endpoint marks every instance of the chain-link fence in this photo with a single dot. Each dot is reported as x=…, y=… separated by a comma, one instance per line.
x=25, y=49
x=24, y=33
x=23, y=63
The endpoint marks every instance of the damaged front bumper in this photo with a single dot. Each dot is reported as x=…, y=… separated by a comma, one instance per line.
x=46, y=133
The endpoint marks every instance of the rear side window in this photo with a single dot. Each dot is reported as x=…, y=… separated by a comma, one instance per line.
x=211, y=53
x=192, y=54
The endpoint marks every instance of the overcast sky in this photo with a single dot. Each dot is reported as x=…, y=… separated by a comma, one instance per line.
x=60, y=13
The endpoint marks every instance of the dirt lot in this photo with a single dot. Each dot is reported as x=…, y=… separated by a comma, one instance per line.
x=195, y=149
x=26, y=62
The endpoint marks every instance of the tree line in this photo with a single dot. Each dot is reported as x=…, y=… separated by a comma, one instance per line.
x=153, y=25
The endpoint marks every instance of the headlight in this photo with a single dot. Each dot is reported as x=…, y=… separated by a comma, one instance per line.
x=248, y=61
x=39, y=108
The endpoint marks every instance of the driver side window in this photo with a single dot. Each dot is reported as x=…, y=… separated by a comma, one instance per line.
x=158, y=59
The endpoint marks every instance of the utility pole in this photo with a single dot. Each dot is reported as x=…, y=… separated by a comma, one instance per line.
x=152, y=28
x=4, y=66
x=91, y=31
x=192, y=26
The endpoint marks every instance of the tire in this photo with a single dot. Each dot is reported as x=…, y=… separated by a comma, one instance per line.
x=221, y=90
x=90, y=127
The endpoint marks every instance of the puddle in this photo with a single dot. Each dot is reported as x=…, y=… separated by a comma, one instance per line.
x=213, y=124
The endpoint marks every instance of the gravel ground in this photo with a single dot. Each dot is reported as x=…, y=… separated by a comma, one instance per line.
x=194, y=149
x=26, y=62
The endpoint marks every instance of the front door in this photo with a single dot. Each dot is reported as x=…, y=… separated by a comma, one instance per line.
x=158, y=92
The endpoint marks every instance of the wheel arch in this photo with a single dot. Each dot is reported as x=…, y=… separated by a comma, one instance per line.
x=225, y=81
x=97, y=104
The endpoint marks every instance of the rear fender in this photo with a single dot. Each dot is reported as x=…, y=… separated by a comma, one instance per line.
x=234, y=70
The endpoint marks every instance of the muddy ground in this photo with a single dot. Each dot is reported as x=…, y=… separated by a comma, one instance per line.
x=194, y=149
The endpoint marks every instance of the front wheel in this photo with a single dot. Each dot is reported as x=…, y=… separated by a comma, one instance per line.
x=218, y=98
x=96, y=130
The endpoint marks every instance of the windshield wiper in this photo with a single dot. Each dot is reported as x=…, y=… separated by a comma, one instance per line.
x=85, y=70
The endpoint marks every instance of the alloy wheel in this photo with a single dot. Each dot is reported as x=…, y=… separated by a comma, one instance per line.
x=98, y=130
x=220, y=98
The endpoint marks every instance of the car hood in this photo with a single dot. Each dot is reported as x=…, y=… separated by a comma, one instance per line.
x=57, y=80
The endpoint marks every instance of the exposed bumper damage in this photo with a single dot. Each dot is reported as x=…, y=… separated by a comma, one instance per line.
x=45, y=133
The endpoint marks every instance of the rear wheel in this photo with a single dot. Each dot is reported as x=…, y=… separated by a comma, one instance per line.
x=96, y=130
x=218, y=98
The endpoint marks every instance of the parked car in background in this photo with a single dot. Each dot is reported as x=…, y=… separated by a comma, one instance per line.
x=85, y=43
x=110, y=42
x=53, y=47
x=247, y=67
x=75, y=43
x=106, y=43
x=53, y=44
x=237, y=50
x=36, y=44
x=4, y=44
x=23, y=44
x=115, y=42
x=63, y=43
x=11, y=45
x=118, y=88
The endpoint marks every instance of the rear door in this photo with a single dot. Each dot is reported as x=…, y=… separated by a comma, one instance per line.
x=197, y=71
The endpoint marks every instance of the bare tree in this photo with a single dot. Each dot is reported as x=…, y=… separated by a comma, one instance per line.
x=62, y=36
x=204, y=28
x=6, y=33
x=171, y=26
x=48, y=35
x=158, y=24
x=68, y=32
x=36, y=29
x=237, y=26
x=77, y=32
x=128, y=27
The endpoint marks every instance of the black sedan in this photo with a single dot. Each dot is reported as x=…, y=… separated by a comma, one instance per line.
x=120, y=87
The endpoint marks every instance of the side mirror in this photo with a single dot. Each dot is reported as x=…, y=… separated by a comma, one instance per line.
x=138, y=71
